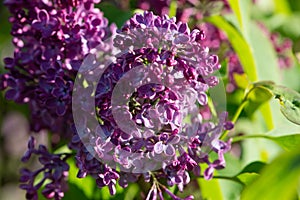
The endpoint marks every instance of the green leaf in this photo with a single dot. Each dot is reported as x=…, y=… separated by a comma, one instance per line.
x=210, y=189
x=242, y=13
x=250, y=172
x=290, y=103
x=264, y=54
x=104, y=193
x=287, y=142
x=267, y=114
x=75, y=192
x=241, y=80
x=173, y=8
x=85, y=185
x=110, y=11
x=289, y=100
x=266, y=65
x=131, y=192
x=239, y=44
x=254, y=167
x=230, y=189
x=247, y=178
x=235, y=6
x=191, y=189
x=287, y=25
x=278, y=180
x=256, y=97
x=63, y=149
x=282, y=7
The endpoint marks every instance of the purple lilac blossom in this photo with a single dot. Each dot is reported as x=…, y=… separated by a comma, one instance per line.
x=51, y=39
x=194, y=11
x=55, y=171
x=161, y=75
x=187, y=10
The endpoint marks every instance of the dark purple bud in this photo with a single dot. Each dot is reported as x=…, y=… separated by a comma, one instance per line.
x=9, y=63
x=228, y=125
x=12, y=94
x=26, y=175
x=200, y=36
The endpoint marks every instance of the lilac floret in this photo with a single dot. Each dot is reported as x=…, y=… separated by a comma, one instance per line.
x=55, y=171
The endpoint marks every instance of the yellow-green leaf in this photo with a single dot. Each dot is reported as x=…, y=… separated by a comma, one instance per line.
x=278, y=180
x=239, y=44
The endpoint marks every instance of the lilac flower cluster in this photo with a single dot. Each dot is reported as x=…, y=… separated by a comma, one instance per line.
x=187, y=10
x=158, y=79
x=153, y=130
x=55, y=172
x=194, y=12
x=51, y=39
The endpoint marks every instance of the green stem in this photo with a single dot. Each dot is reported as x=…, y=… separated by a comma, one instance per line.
x=235, y=117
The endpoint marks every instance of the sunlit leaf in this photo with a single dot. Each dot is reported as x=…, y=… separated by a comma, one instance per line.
x=278, y=180
x=254, y=63
x=210, y=189
x=290, y=103
x=110, y=11
x=63, y=149
x=247, y=178
x=250, y=172
x=193, y=188
x=86, y=185
x=75, y=192
x=131, y=192
x=267, y=114
x=235, y=6
x=256, y=96
x=173, y=8
x=239, y=44
x=254, y=167
x=287, y=142
x=241, y=80
x=282, y=7
x=230, y=189
x=264, y=54
x=289, y=100
x=242, y=13
x=104, y=193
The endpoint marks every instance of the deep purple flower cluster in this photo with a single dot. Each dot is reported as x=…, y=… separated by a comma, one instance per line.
x=186, y=10
x=51, y=39
x=55, y=171
x=194, y=12
x=148, y=100
x=158, y=80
